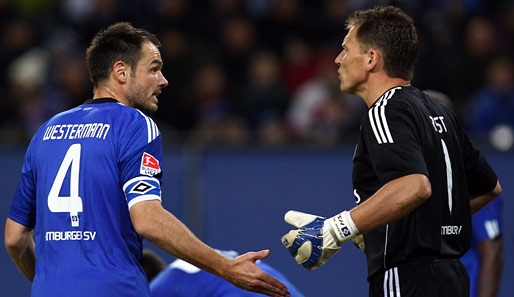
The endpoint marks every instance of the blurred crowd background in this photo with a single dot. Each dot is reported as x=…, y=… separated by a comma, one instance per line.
x=254, y=72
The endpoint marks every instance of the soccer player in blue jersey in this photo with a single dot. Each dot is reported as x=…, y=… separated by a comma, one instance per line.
x=484, y=260
x=181, y=279
x=90, y=187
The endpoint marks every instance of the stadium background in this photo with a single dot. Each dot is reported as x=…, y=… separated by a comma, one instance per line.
x=253, y=122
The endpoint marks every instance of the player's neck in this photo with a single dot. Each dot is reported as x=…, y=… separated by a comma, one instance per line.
x=106, y=91
x=378, y=86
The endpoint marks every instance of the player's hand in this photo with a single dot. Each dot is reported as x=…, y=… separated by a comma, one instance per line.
x=317, y=239
x=245, y=274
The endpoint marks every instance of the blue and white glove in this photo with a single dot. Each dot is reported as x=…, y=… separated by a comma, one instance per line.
x=317, y=238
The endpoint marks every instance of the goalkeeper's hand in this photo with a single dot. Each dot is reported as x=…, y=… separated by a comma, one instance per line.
x=317, y=239
x=359, y=242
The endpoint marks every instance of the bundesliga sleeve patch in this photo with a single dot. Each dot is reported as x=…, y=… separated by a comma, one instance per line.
x=149, y=165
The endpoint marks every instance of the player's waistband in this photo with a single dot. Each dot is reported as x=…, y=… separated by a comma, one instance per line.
x=422, y=260
x=428, y=259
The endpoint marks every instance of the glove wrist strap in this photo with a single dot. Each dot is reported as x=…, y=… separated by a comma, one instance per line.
x=343, y=227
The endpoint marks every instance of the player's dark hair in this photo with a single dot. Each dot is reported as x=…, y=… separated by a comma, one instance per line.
x=391, y=31
x=119, y=42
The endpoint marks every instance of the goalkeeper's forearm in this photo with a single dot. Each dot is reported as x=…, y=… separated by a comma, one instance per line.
x=392, y=202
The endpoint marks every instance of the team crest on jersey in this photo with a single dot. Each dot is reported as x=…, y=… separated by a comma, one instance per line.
x=149, y=165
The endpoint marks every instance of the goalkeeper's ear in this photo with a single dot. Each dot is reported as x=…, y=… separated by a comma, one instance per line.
x=298, y=219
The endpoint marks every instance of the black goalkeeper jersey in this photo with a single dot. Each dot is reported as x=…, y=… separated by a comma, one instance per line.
x=406, y=132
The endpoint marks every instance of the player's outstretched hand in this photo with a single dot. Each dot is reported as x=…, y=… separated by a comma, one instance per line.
x=317, y=239
x=245, y=274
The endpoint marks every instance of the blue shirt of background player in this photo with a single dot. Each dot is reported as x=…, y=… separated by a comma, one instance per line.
x=487, y=224
x=181, y=279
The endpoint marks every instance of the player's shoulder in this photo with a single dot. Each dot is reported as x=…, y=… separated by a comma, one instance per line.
x=128, y=118
x=401, y=97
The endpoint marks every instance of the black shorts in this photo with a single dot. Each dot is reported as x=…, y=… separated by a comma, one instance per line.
x=434, y=278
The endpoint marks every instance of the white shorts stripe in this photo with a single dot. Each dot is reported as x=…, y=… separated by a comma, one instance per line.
x=397, y=282
x=386, y=277
x=391, y=276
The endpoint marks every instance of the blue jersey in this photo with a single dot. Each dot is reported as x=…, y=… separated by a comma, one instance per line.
x=181, y=279
x=487, y=224
x=83, y=170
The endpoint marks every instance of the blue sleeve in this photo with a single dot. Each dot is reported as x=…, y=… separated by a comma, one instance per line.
x=487, y=222
x=23, y=207
x=140, y=161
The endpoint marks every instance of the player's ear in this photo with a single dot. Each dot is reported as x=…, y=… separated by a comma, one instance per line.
x=120, y=72
x=372, y=59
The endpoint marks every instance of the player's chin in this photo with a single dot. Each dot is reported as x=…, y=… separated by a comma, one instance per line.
x=150, y=107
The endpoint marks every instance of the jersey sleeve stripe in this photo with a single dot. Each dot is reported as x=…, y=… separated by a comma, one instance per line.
x=372, y=122
x=378, y=119
x=154, y=129
x=384, y=120
x=492, y=229
x=157, y=133
x=139, y=178
x=149, y=129
x=379, y=123
x=143, y=198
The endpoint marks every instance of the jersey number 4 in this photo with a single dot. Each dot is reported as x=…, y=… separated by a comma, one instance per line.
x=72, y=203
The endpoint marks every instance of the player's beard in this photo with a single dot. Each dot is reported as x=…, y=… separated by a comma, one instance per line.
x=139, y=98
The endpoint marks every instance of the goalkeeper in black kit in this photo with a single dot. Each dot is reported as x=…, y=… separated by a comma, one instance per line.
x=417, y=176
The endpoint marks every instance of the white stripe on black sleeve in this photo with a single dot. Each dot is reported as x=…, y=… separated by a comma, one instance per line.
x=372, y=122
x=378, y=119
x=384, y=120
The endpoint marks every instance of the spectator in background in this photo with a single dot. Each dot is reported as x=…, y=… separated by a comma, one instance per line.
x=238, y=40
x=319, y=113
x=176, y=112
x=217, y=121
x=264, y=99
x=182, y=279
x=492, y=105
x=479, y=47
x=229, y=32
x=298, y=64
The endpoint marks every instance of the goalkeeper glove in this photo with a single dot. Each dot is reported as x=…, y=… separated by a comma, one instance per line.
x=317, y=239
x=359, y=242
